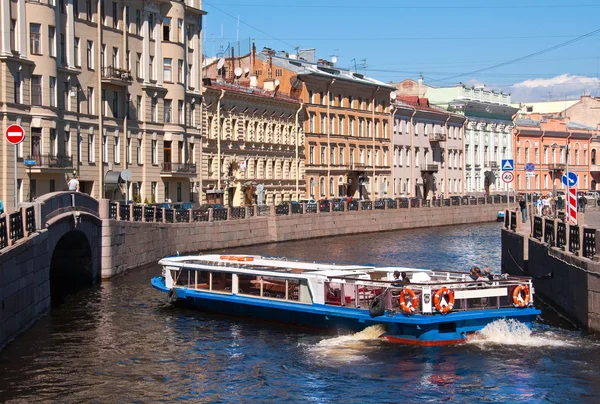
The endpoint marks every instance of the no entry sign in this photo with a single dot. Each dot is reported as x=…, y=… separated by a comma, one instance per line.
x=15, y=134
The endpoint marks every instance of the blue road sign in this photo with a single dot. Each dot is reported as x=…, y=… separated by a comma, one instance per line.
x=529, y=167
x=571, y=180
x=508, y=165
x=29, y=162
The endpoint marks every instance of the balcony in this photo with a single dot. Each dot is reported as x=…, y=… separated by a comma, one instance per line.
x=48, y=163
x=594, y=167
x=178, y=170
x=429, y=168
x=556, y=166
x=358, y=167
x=437, y=137
x=116, y=76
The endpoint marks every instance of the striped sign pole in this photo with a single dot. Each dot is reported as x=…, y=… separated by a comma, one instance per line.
x=572, y=205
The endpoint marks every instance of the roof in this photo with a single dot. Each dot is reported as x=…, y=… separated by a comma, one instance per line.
x=304, y=68
x=253, y=91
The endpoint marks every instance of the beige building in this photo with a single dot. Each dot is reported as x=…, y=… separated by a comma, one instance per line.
x=252, y=137
x=543, y=107
x=101, y=99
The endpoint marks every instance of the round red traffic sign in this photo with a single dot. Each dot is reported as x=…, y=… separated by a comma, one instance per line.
x=15, y=134
x=508, y=176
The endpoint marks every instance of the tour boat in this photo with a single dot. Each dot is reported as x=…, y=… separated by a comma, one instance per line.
x=427, y=308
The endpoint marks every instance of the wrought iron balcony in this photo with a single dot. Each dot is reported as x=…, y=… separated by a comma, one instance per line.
x=429, y=168
x=556, y=166
x=50, y=162
x=114, y=75
x=437, y=137
x=174, y=169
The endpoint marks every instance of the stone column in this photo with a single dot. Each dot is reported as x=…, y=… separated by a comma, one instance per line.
x=70, y=34
x=5, y=31
x=21, y=29
x=146, y=48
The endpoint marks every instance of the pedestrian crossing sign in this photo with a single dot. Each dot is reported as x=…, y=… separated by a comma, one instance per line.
x=508, y=165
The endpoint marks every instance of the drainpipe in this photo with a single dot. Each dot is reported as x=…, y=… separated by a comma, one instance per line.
x=327, y=124
x=219, y=140
x=411, y=133
x=297, y=146
x=99, y=100
x=393, y=149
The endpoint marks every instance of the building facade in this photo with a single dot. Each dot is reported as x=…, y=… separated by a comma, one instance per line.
x=252, y=137
x=428, y=149
x=553, y=146
x=347, y=126
x=488, y=132
x=101, y=87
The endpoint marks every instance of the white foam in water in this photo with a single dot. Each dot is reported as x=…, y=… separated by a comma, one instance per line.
x=512, y=332
x=348, y=348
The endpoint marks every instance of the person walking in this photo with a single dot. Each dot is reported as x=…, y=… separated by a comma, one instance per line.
x=523, y=207
x=582, y=202
x=73, y=184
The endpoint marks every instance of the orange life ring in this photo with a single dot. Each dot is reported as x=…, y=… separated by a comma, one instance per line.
x=517, y=295
x=412, y=302
x=438, y=300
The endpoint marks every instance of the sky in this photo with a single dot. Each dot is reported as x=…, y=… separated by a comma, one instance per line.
x=536, y=50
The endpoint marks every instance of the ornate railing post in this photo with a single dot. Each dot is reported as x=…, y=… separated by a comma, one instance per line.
x=211, y=214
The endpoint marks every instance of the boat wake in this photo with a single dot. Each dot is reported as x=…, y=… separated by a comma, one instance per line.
x=348, y=348
x=515, y=333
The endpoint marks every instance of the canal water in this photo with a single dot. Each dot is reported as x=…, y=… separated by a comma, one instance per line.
x=121, y=342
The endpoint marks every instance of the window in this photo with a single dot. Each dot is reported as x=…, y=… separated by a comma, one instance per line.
x=138, y=106
x=180, y=37
x=127, y=20
x=53, y=146
x=115, y=104
x=52, y=92
x=63, y=49
x=115, y=57
x=90, y=100
x=105, y=149
x=91, y=149
x=90, y=55
x=332, y=155
x=167, y=114
x=115, y=14
x=88, y=9
x=311, y=155
x=154, y=111
x=180, y=71
x=192, y=115
x=103, y=102
x=323, y=162
x=166, y=29
x=128, y=154
x=62, y=6
x=351, y=127
x=190, y=32
x=36, y=90
x=79, y=147
x=190, y=76
x=341, y=159
x=140, y=151
x=117, y=150
x=167, y=69
x=151, y=25
x=13, y=35
x=331, y=186
x=52, y=41
x=138, y=22
x=138, y=70
x=77, y=52
x=35, y=34
x=151, y=68
x=322, y=186
x=154, y=152
x=180, y=116
x=67, y=144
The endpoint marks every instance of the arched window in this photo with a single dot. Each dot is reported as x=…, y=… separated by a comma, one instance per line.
x=313, y=187
x=593, y=156
x=331, y=193
x=322, y=187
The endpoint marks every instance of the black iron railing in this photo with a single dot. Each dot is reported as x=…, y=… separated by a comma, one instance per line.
x=264, y=210
x=537, y=227
x=219, y=214
x=15, y=221
x=574, y=243
x=148, y=213
x=200, y=215
x=169, y=216
x=51, y=161
x=379, y=205
x=240, y=213
x=138, y=213
x=561, y=234
x=513, y=221
x=589, y=242
x=338, y=206
x=115, y=73
x=30, y=220
x=282, y=209
x=182, y=216
x=549, y=232
x=112, y=210
x=124, y=212
x=3, y=237
x=178, y=168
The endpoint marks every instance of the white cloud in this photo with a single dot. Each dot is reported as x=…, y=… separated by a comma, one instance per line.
x=556, y=88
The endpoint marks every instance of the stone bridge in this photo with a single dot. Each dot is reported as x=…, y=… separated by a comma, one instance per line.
x=48, y=249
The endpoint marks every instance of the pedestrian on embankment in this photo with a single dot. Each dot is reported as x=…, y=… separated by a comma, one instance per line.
x=523, y=207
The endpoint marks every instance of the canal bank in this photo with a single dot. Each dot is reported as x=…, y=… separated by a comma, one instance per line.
x=563, y=262
x=129, y=244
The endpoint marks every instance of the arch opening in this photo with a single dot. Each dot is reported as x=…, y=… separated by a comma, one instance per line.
x=71, y=268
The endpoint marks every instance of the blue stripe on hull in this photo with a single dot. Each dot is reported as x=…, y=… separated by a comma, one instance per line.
x=419, y=329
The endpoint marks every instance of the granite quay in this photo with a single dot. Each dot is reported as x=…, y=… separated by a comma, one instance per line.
x=563, y=260
x=66, y=241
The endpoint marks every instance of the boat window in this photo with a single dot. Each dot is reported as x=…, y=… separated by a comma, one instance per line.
x=181, y=277
x=201, y=280
x=271, y=287
x=221, y=282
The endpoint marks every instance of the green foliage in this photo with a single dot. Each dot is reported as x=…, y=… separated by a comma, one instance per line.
x=145, y=201
x=153, y=199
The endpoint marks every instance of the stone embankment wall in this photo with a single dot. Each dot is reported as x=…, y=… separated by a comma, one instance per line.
x=127, y=244
x=566, y=280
